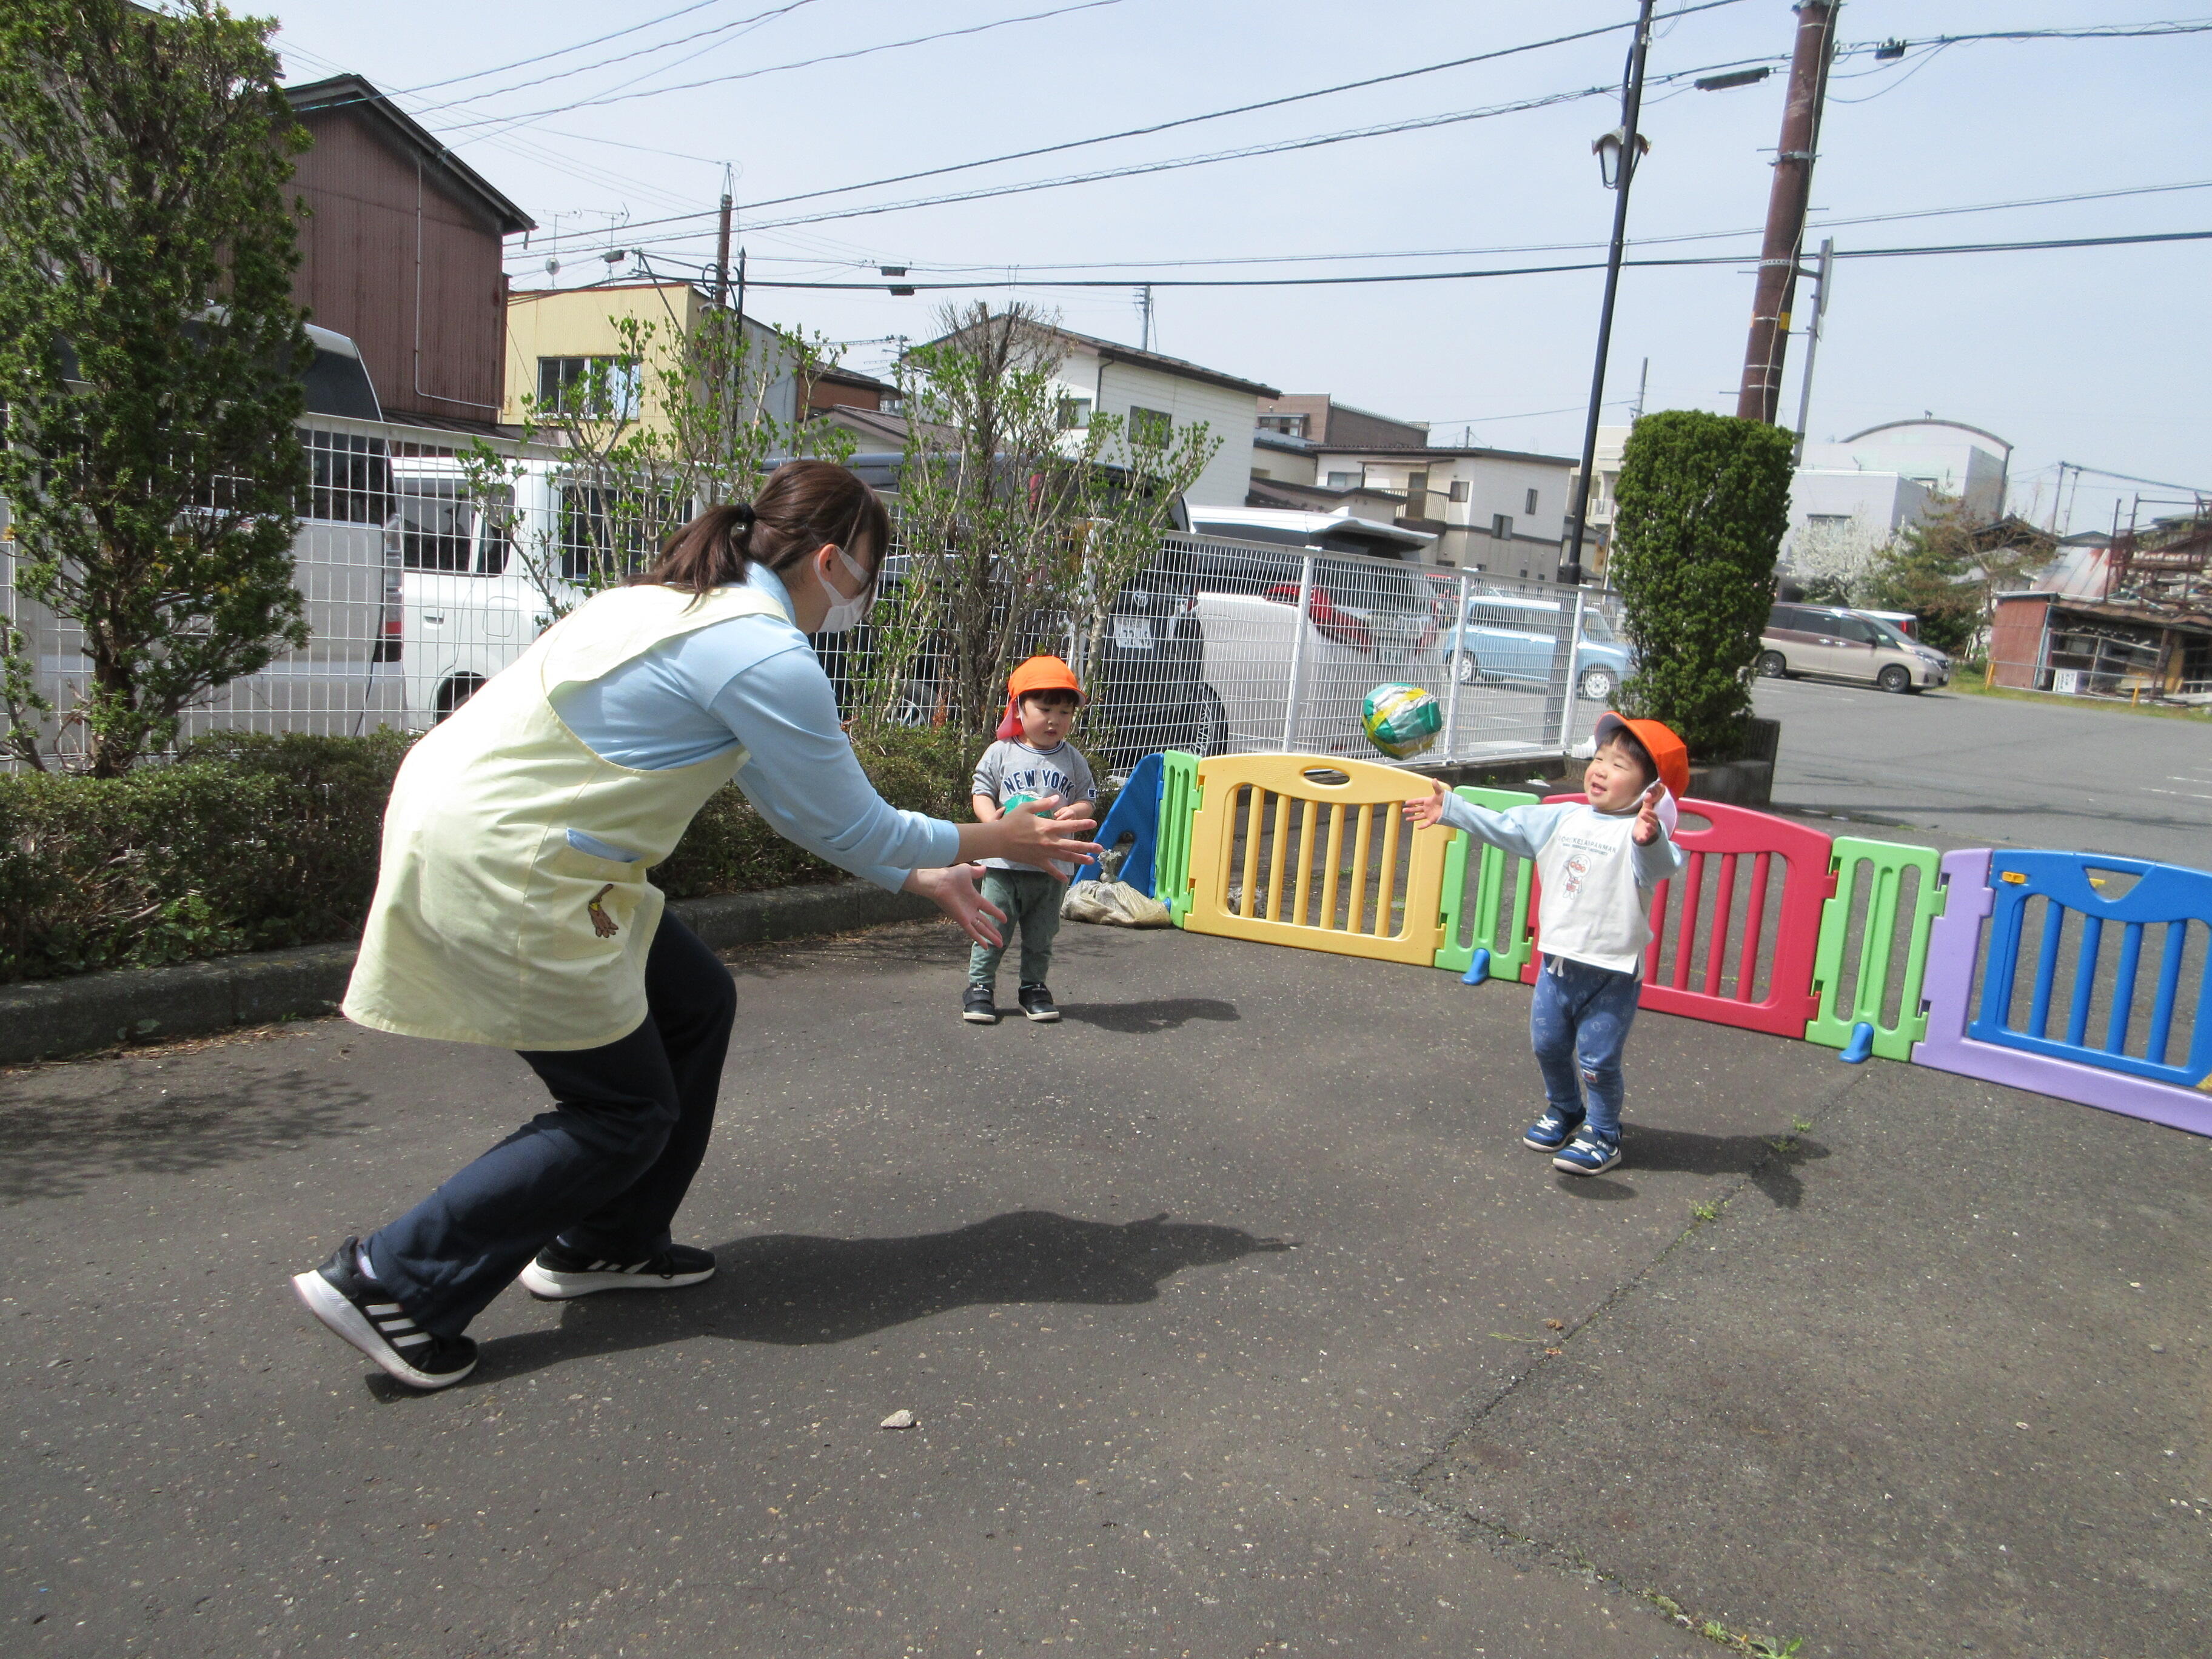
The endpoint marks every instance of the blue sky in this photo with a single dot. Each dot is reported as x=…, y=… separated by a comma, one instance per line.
x=2083, y=355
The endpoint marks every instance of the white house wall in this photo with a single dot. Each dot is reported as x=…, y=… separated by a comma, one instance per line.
x=1115, y=388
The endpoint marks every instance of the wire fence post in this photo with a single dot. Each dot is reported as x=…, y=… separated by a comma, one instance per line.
x=1294, y=704
x=1451, y=688
x=1559, y=690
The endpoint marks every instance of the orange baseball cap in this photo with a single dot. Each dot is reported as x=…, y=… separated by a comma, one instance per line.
x=1039, y=673
x=1669, y=752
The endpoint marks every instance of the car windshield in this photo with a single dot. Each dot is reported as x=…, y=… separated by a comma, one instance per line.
x=1595, y=626
x=1888, y=633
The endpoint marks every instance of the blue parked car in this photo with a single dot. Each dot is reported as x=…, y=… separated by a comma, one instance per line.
x=1507, y=641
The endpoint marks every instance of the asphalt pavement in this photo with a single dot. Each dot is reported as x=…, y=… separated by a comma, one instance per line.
x=1234, y=1319
x=1984, y=771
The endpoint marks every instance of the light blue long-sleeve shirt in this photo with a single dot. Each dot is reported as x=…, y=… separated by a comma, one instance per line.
x=755, y=681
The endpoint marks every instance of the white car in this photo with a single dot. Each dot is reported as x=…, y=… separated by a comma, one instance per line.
x=1367, y=622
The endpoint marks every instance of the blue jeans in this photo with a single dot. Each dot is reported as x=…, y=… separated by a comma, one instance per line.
x=604, y=1170
x=1578, y=1024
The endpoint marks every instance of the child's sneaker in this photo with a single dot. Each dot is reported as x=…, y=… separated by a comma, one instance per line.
x=978, y=1007
x=1586, y=1155
x=1550, y=1131
x=1036, y=1002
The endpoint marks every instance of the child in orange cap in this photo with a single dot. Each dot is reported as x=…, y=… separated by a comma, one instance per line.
x=1599, y=863
x=1032, y=760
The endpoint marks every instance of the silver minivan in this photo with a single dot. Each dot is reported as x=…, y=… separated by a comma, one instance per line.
x=1847, y=645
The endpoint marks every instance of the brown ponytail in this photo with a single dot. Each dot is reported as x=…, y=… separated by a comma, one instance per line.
x=803, y=505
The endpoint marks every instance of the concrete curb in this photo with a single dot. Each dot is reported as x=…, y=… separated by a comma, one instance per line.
x=49, y=1019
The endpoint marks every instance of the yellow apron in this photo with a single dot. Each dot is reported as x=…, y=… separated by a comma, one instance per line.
x=487, y=926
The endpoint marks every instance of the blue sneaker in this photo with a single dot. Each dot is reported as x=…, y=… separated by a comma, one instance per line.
x=1588, y=1156
x=1550, y=1131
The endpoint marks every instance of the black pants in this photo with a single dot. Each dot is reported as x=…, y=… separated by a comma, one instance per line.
x=603, y=1171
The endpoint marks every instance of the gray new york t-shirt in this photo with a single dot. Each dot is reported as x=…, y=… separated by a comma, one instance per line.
x=1011, y=770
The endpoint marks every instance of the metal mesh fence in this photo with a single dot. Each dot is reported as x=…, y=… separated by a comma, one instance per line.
x=416, y=594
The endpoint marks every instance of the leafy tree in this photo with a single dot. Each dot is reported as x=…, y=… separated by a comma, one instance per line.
x=1946, y=568
x=1702, y=502
x=1017, y=526
x=147, y=348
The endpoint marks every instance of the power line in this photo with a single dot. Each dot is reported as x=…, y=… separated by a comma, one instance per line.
x=1283, y=146
x=2117, y=31
x=1222, y=114
x=600, y=101
x=557, y=52
x=1025, y=267
x=1363, y=279
x=607, y=63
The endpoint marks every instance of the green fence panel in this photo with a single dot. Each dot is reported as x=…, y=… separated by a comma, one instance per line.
x=1832, y=1025
x=1171, y=856
x=1489, y=894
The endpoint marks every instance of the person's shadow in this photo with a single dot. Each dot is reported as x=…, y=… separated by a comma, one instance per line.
x=795, y=1289
x=1770, y=1161
x=1144, y=1019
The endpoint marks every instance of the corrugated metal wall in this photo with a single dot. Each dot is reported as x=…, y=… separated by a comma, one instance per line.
x=357, y=272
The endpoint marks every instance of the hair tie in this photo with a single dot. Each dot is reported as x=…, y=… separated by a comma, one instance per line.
x=744, y=513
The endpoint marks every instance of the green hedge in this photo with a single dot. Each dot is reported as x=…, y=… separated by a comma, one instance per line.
x=253, y=842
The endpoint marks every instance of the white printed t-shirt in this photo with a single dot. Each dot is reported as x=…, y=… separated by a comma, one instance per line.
x=1596, y=877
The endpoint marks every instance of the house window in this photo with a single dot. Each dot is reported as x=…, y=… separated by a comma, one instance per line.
x=1344, y=481
x=603, y=388
x=1826, y=518
x=1459, y=489
x=1291, y=426
x=1416, y=495
x=1261, y=473
x=1149, y=426
x=1501, y=526
x=1530, y=505
x=1074, y=414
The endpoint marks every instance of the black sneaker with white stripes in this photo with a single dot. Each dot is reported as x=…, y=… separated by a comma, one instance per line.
x=366, y=1314
x=560, y=1273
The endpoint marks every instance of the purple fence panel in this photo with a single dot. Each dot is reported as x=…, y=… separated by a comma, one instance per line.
x=1948, y=998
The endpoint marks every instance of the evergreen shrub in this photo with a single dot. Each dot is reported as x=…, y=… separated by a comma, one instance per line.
x=1702, y=505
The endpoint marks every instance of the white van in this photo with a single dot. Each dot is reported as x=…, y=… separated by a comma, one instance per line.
x=482, y=581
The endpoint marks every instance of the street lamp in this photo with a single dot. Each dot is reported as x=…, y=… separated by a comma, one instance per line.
x=1607, y=147
x=1618, y=152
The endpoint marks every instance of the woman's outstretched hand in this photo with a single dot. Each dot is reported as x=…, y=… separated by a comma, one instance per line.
x=1044, y=833
x=953, y=891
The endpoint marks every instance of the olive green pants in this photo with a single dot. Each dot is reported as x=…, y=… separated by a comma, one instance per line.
x=1031, y=899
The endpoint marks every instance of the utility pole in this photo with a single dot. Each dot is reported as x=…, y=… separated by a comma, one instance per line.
x=1643, y=385
x=1145, y=339
x=1763, y=354
x=1628, y=145
x=722, y=245
x=1820, y=273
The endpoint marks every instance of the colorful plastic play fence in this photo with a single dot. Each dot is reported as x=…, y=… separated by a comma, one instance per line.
x=1736, y=949
x=1502, y=955
x=1295, y=850
x=2068, y=974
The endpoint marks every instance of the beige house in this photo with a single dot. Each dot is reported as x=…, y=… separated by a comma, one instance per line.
x=554, y=335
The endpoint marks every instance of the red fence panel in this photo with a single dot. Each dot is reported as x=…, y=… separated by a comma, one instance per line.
x=1728, y=964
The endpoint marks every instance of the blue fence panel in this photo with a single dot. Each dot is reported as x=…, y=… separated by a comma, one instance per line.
x=2164, y=900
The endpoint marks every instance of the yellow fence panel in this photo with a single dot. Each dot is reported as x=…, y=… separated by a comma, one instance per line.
x=1269, y=857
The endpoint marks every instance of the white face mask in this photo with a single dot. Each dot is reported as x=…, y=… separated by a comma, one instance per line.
x=844, y=613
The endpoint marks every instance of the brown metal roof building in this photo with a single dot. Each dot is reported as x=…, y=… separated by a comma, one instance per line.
x=402, y=253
